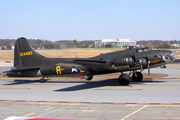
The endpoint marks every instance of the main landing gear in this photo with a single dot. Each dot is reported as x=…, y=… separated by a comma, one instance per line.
x=124, y=79
x=88, y=77
x=138, y=77
x=42, y=80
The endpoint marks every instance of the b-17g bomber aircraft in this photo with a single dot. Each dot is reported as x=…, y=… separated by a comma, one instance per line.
x=29, y=63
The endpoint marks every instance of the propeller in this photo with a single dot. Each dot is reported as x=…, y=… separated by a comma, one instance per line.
x=149, y=68
x=148, y=62
x=136, y=62
x=135, y=65
x=135, y=69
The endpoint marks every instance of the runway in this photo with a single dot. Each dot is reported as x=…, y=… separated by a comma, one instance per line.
x=149, y=91
x=99, y=99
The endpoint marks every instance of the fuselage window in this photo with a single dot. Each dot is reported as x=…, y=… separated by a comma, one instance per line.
x=155, y=56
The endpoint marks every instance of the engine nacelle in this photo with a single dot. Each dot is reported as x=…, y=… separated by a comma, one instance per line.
x=124, y=61
x=130, y=61
x=143, y=62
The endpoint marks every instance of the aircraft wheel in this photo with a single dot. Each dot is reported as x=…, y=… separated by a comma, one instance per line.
x=124, y=79
x=42, y=80
x=137, y=78
x=88, y=77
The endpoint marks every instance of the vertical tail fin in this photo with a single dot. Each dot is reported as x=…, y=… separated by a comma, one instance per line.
x=24, y=54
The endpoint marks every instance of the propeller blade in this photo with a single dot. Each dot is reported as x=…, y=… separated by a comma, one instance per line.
x=148, y=62
x=135, y=66
x=149, y=68
x=135, y=71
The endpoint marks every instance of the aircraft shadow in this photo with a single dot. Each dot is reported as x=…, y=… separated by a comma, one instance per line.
x=85, y=84
x=15, y=82
x=91, y=84
x=20, y=81
x=96, y=84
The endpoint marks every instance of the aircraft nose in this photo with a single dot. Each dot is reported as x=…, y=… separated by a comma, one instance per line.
x=171, y=57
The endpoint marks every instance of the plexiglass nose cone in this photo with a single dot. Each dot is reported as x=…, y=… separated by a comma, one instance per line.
x=170, y=57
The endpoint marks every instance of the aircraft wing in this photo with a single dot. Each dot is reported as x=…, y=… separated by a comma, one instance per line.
x=94, y=64
x=93, y=61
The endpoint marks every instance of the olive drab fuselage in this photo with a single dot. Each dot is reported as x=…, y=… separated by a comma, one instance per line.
x=29, y=63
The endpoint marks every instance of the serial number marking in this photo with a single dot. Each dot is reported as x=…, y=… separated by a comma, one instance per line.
x=26, y=53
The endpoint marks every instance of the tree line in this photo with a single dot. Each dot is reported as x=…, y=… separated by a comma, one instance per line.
x=159, y=44
x=7, y=44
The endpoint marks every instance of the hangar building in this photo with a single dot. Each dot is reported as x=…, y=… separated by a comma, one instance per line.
x=114, y=43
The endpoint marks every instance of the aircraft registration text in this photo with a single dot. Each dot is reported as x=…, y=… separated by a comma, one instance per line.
x=26, y=53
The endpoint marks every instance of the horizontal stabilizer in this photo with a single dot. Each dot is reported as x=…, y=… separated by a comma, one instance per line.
x=20, y=70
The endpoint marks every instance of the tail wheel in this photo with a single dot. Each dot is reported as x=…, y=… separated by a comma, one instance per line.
x=124, y=79
x=42, y=80
x=137, y=78
x=88, y=77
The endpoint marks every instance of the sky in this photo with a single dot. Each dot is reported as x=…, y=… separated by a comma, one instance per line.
x=90, y=19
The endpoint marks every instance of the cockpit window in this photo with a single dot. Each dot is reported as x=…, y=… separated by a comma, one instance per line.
x=144, y=49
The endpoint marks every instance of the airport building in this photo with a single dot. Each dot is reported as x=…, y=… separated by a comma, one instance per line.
x=176, y=45
x=114, y=43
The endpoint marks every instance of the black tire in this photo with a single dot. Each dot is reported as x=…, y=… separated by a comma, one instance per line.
x=124, y=79
x=88, y=77
x=42, y=80
x=138, y=78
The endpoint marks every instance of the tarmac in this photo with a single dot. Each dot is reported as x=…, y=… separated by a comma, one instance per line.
x=100, y=99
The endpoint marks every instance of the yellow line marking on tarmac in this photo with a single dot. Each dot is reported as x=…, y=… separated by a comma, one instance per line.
x=53, y=111
x=134, y=112
x=87, y=110
x=48, y=108
x=29, y=114
x=66, y=104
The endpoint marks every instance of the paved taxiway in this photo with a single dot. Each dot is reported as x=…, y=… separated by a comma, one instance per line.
x=89, y=111
x=100, y=98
